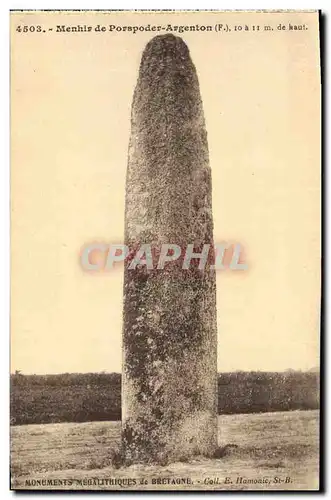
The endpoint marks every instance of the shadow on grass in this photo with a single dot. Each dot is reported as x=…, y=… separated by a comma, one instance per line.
x=117, y=459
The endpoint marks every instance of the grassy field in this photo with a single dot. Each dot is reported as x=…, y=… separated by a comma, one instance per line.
x=276, y=450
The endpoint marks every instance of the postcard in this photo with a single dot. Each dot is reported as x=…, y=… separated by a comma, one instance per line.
x=165, y=250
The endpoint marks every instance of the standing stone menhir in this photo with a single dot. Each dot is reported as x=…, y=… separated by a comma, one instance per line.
x=169, y=394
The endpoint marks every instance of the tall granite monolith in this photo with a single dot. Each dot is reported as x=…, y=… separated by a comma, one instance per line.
x=169, y=385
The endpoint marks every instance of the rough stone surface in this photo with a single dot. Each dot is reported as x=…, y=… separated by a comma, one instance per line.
x=169, y=393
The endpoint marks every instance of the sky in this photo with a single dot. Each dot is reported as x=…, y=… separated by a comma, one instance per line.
x=71, y=98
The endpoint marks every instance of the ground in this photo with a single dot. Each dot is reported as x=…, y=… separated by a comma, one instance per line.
x=273, y=451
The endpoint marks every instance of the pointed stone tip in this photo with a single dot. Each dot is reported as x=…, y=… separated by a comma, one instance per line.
x=166, y=44
x=163, y=52
x=168, y=40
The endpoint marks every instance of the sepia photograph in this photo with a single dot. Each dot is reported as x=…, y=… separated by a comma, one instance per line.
x=165, y=250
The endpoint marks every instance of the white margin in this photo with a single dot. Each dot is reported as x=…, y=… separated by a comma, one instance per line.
x=7, y=5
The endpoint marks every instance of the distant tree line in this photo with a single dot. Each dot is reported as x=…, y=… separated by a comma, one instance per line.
x=85, y=397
